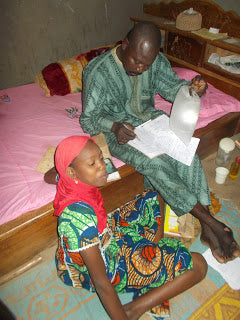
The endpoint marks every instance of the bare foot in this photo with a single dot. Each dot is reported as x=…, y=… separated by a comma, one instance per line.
x=221, y=242
x=209, y=239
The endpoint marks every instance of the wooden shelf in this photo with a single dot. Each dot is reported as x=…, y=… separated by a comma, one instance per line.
x=170, y=26
x=187, y=49
x=218, y=70
x=228, y=46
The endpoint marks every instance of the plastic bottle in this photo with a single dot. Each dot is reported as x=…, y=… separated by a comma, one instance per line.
x=233, y=173
x=184, y=114
x=225, y=150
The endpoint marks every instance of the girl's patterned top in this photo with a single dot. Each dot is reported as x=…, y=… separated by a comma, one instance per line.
x=133, y=262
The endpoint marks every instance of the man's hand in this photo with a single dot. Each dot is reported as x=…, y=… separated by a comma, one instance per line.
x=199, y=85
x=123, y=131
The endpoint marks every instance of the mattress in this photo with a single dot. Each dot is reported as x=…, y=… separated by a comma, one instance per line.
x=31, y=122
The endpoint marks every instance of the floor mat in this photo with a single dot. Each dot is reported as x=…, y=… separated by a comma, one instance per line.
x=224, y=304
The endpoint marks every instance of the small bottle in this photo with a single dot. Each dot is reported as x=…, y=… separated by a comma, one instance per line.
x=233, y=173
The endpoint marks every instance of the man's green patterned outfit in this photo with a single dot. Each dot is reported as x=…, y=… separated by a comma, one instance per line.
x=110, y=95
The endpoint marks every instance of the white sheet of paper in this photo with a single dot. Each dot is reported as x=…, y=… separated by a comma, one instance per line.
x=154, y=138
x=230, y=271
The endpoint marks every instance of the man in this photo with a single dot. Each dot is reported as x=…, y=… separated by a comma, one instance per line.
x=118, y=94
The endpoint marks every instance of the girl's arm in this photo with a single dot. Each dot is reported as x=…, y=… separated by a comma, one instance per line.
x=105, y=290
x=50, y=176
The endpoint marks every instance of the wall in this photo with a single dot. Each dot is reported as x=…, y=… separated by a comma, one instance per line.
x=35, y=33
x=228, y=5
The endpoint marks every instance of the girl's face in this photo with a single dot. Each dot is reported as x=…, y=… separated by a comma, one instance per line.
x=89, y=166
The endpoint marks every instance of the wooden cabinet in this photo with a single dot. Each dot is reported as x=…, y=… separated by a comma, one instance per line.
x=218, y=47
x=186, y=49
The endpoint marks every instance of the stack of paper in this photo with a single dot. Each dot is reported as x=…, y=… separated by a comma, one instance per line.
x=230, y=271
x=155, y=138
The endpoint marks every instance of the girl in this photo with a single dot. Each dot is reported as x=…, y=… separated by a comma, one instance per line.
x=115, y=254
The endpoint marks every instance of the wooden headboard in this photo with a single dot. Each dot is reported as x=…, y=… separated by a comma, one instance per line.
x=212, y=14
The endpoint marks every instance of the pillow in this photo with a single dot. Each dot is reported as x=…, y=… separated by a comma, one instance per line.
x=65, y=76
x=61, y=78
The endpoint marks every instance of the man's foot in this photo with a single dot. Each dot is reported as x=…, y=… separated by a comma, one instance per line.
x=208, y=238
x=221, y=242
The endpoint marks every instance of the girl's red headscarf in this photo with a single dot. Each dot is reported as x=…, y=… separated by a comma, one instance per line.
x=67, y=190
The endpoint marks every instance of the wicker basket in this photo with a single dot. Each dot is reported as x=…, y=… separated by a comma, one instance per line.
x=189, y=20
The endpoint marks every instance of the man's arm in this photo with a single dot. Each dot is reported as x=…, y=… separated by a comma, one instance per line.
x=94, y=118
x=168, y=82
x=104, y=96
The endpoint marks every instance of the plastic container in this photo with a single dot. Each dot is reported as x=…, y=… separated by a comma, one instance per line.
x=184, y=114
x=234, y=169
x=225, y=149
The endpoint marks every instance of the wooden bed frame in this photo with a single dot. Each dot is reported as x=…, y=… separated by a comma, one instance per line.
x=23, y=239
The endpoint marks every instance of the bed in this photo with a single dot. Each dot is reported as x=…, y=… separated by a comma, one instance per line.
x=30, y=122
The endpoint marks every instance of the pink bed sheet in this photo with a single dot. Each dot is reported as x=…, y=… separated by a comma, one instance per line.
x=31, y=122
x=214, y=104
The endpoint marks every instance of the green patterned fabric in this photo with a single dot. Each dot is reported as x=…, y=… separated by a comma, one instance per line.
x=110, y=95
x=70, y=223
